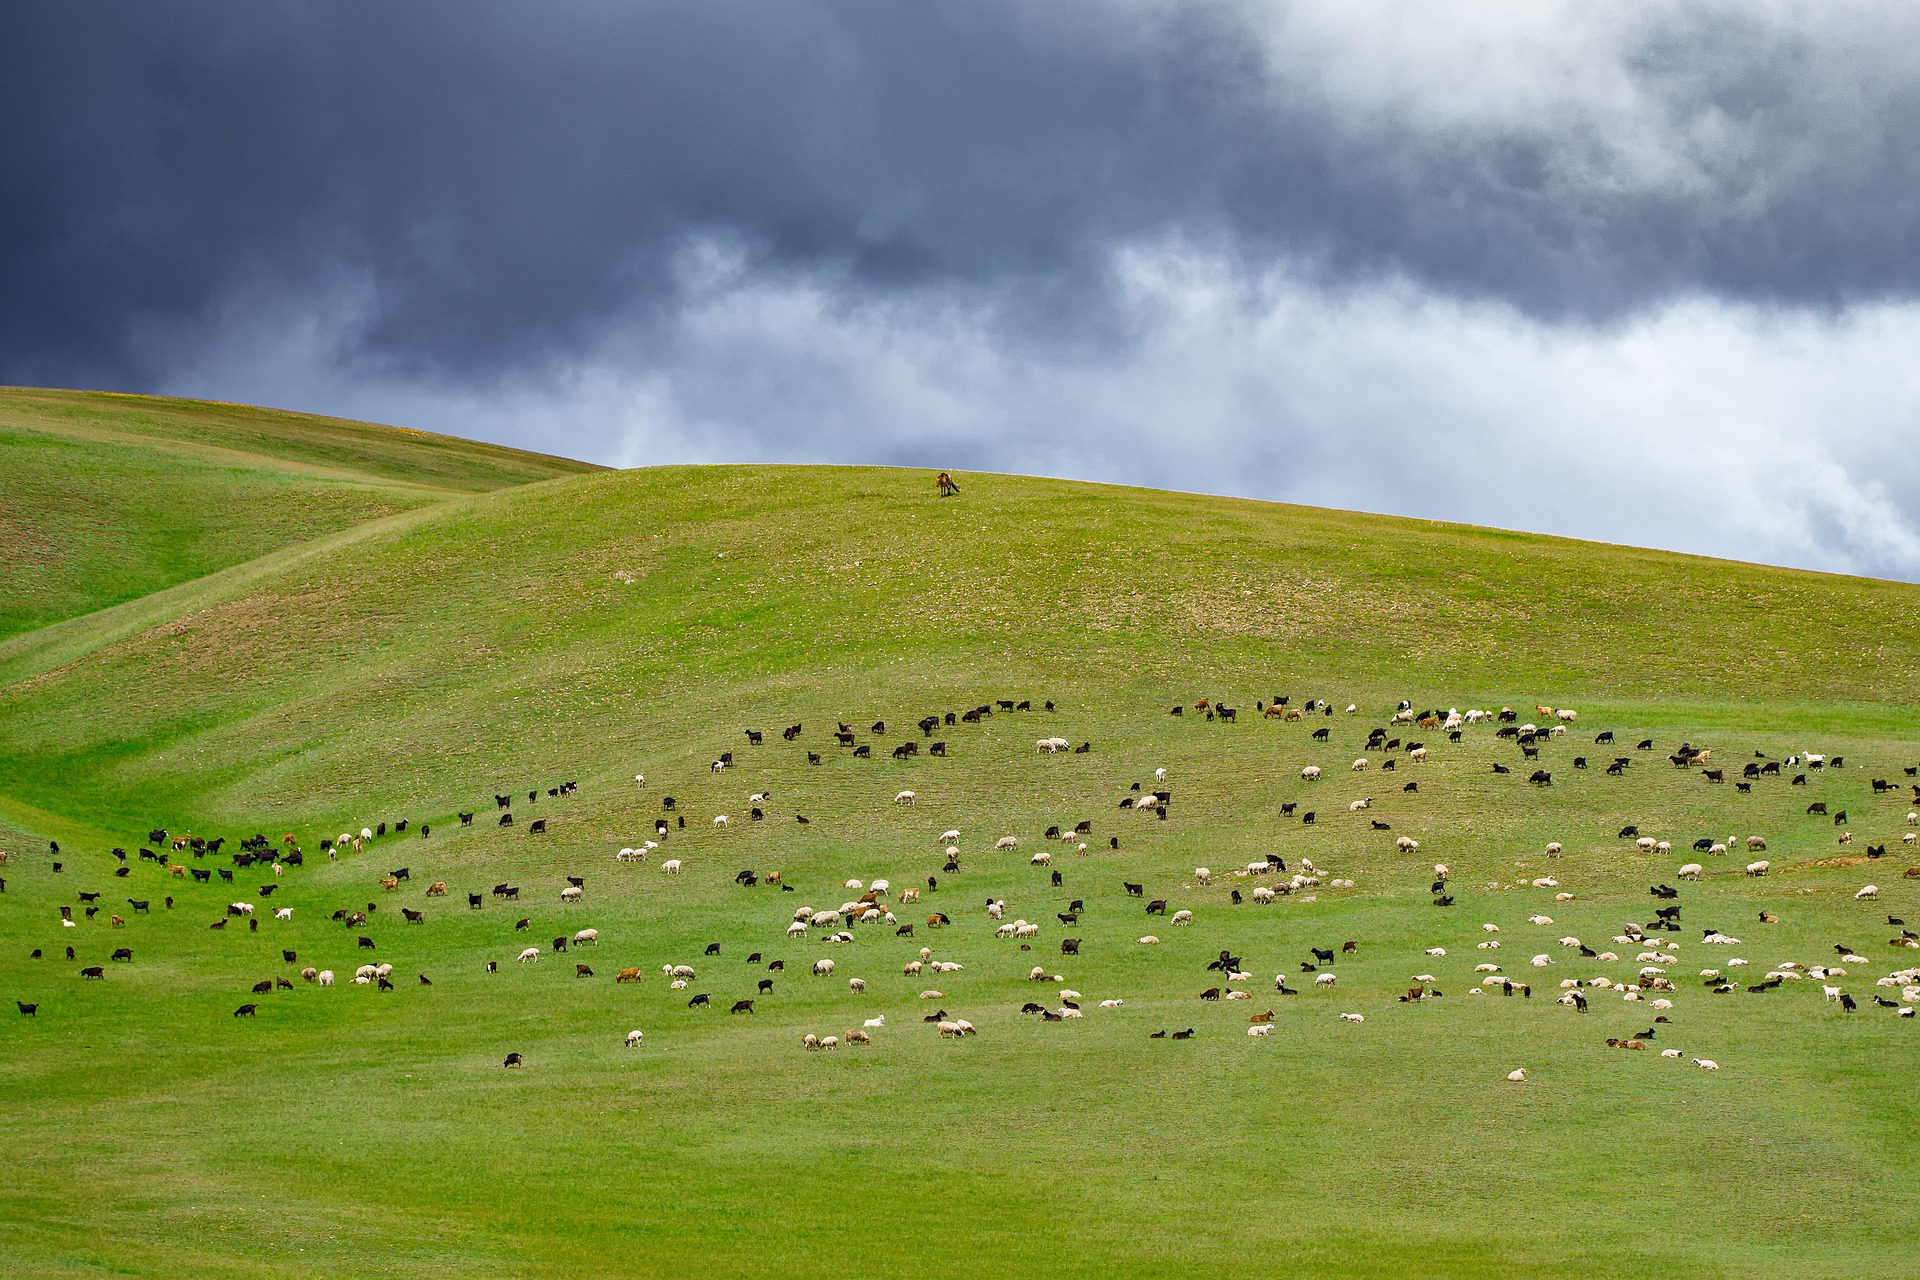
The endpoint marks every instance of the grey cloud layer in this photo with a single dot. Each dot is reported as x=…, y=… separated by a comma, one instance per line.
x=504, y=179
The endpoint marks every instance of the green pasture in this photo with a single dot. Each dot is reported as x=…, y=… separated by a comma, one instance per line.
x=445, y=627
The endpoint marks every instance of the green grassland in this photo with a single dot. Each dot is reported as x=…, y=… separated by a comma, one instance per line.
x=110, y=497
x=546, y=627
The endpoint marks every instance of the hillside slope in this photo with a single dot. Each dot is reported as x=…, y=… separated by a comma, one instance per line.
x=533, y=627
x=470, y=657
x=111, y=497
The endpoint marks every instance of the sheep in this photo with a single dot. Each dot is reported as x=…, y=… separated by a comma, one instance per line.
x=1182, y=917
x=1149, y=941
x=1758, y=868
x=1867, y=891
x=1261, y=1029
x=1326, y=979
x=875, y=1022
x=1406, y=844
x=1706, y=1064
x=822, y=968
x=1262, y=894
x=1645, y=844
x=796, y=930
x=1353, y=1017
x=1541, y=961
x=1692, y=871
x=1489, y=945
x=1311, y=773
x=1518, y=1075
x=856, y=985
x=530, y=956
x=904, y=797
x=1539, y=919
x=948, y=1030
x=671, y=866
x=572, y=893
x=948, y=836
x=997, y=909
x=912, y=968
x=1436, y=951
x=1440, y=871
x=326, y=977
x=809, y=1041
x=279, y=913
x=1111, y=1004
x=1360, y=765
x=634, y=1037
x=1202, y=876
x=1041, y=859
x=1005, y=842
x=931, y=994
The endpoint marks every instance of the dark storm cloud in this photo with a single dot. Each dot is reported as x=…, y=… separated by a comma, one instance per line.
x=499, y=183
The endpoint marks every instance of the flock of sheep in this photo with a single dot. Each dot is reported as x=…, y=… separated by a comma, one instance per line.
x=878, y=904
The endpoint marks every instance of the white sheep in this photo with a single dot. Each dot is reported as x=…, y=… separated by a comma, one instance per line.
x=1436, y=951
x=912, y=968
x=1539, y=919
x=1326, y=979
x=1758, y=868
x=1202, y=875
x=1005, y=842
x=1182, y=917
x=1360, y=765
x=1311, y=773
x=1260, y=1029
x=1541, y=961
x=530, y=955
x=796, y=930
x=1645, y=844
x=1706, y=1064
x=1353, y=1017
x=634, y=1037
x=283, y=913
x=904, y=797
x=671, y=866
x=1149, y=940
x=720, y=820
x=1867, y=891
x=1518, y=1075
x=1262, y=894
x=572, y=893
x=1041, y=859
x=1111, y=1004
x=822, y=968
x=874, y=1023
x=856, y=985
x=1406, y=844
x=1692, y=871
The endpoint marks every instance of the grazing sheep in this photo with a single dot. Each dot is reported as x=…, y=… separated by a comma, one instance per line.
x=1041, y=859
x=1005, y=842
x=1311, y=773
x=904, y=797
x=1326, y=979
x=530, y=956
x=280, y=913
x=671, y=866
x=1867, y=891
x=1692, y=871
x=1202, y=875
x=1360, y=765
x=634, y=1037
x=1406, y=844
x=326, y=977
x=572, y=893
x=1757, y=868
x=822, y=968
x=1182, y=917
x=1353, y=1017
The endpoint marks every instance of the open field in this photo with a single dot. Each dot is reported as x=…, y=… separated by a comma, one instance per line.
x=596, y=626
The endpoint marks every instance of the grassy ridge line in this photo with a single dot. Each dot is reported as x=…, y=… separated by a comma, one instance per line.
x=401, y=454
x=110, y=498
x=58, y=644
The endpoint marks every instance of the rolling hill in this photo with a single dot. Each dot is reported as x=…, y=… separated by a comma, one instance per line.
x=525, y=624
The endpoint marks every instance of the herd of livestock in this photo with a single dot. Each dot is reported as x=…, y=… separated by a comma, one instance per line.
x=1654, y=974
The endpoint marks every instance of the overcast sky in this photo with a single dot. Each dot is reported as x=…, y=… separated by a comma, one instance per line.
x=1638, y=272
